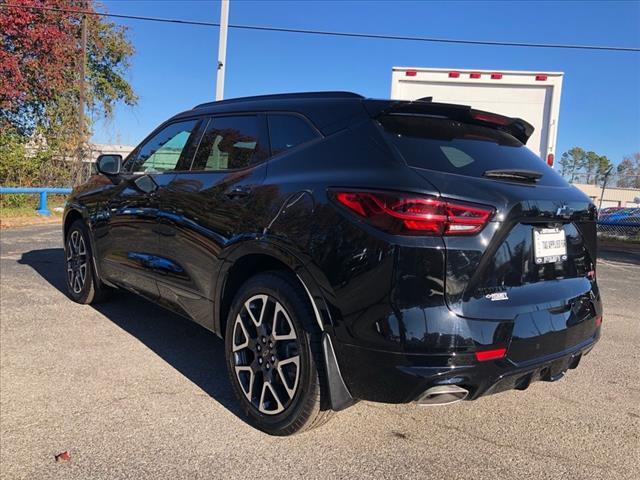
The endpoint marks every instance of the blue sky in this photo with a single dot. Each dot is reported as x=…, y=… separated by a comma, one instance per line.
x=174, y=65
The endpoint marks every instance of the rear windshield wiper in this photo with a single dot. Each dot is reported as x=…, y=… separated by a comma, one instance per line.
x=531, y=176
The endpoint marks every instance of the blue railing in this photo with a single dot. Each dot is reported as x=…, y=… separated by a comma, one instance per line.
x=42, y=191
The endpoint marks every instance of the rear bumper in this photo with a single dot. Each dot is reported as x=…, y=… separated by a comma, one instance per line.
x=392, y=377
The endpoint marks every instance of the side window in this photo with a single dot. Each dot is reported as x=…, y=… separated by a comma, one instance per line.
x=163, y=151
x=288, y=131
x=231, y=142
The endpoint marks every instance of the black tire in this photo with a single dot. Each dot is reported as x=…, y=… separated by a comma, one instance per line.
x=308, y=407
x=82, y=288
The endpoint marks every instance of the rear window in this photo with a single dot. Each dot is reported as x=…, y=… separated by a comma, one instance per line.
x=454, y=147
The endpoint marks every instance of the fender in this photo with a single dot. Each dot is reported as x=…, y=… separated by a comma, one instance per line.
x=273, y=248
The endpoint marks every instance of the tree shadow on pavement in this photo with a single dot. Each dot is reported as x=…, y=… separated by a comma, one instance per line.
x=195, y=352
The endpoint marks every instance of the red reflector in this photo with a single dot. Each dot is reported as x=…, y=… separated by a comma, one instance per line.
x=496, y=76
x=491, y=118
x=486, y=355
x=454, y=74
x=598, y=321
x=541, y=78
x=411, y=73
x=407, y=214
x=474, y=75
x=550, y=159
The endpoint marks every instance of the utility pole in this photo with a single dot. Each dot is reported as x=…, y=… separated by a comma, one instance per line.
x=81, y=93
x=222, y=48
x=82, y=75
x=604, y=184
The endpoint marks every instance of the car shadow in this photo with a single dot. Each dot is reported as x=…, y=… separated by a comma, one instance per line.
x=623, y=255
x=192, y=350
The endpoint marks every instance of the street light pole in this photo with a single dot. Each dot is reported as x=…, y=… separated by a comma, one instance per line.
x=222, y=48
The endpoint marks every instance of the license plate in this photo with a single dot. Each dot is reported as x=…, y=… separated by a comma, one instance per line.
x=549, y=245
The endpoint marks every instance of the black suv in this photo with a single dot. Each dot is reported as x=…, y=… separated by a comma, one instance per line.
x=348, y=248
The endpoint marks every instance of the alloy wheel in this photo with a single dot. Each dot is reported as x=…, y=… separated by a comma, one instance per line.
x=266, y=354
x=76, y=261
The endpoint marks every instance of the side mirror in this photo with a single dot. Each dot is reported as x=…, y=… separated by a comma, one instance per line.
x=109, y=164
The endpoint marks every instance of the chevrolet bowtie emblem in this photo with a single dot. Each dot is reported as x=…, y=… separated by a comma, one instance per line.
x=564, y=211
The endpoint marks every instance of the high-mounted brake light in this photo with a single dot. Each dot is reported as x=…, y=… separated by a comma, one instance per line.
x=408, y=214
x=491, y=118
x=475, y=75
x=411, y=73
x=454, y=74
x=496, y=76
x=486, y=355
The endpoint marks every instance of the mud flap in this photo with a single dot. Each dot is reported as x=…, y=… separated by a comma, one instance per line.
x=338, y=391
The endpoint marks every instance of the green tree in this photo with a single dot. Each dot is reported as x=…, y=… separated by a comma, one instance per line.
x=588, y=165
x=598, y=166
x=572, y=162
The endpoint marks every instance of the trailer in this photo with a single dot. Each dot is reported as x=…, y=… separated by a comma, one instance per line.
x=531, y=96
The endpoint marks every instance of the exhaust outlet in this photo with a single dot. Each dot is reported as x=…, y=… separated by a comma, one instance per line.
x=442, y=395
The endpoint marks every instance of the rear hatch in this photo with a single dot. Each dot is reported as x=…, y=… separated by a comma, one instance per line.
x=534, y=262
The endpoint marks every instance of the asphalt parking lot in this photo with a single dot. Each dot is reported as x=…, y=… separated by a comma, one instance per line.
x=133, y=391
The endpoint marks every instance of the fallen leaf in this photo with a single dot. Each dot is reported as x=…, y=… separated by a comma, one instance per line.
x=63, y=457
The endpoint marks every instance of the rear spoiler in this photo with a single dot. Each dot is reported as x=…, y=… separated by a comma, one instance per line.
x=516, y=127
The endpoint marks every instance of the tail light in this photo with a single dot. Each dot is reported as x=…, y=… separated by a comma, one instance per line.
x=408, y=214
x=550, y=159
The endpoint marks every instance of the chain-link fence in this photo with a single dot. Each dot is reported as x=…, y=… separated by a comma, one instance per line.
x=618, y=200
x=621, y=223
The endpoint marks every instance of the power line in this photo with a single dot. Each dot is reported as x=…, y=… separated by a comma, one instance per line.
x=334, y=33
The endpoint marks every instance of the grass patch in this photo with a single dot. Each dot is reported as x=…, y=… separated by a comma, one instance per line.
x=16, y=212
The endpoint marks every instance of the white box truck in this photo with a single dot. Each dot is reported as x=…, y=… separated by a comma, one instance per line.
x=531, y=96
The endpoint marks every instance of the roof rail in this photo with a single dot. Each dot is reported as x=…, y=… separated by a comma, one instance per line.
x=282, y=96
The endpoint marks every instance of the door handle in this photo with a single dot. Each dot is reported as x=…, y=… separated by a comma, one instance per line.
x=238, y=192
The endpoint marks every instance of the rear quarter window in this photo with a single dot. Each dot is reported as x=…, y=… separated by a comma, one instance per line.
x=454, y=147
x=289, y=131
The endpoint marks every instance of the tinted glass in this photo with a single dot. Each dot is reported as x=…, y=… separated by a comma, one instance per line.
x=230, y=143
x=163, y=151
x=454, y=147
x=288, y=131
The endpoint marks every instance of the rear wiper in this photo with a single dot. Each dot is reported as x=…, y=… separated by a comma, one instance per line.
x=512, y=174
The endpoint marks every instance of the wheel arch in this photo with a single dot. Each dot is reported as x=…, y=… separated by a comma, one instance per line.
x=71, y=216
x=251, y=258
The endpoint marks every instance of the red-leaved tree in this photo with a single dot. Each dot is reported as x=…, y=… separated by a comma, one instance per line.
x=40, y=55
x=38, y=60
